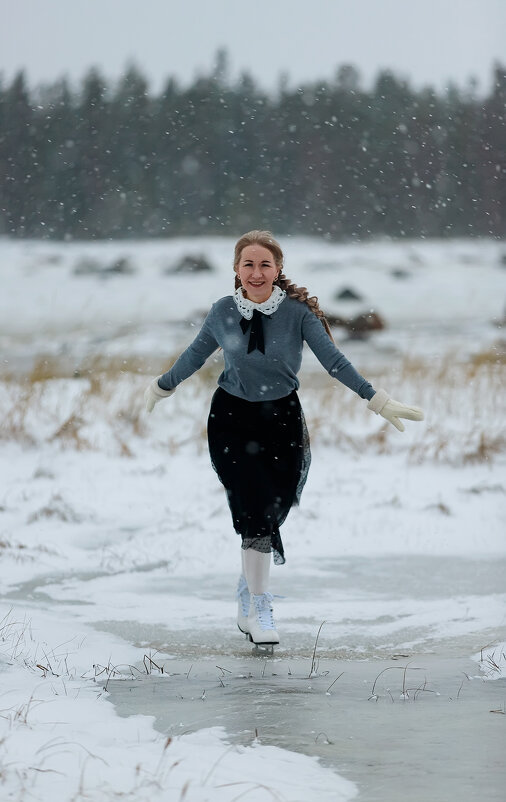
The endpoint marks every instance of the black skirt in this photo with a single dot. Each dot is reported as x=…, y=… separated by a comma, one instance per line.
x=260, y=451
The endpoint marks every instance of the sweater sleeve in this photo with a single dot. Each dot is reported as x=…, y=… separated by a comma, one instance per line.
x=193, y=357
x=332, y=359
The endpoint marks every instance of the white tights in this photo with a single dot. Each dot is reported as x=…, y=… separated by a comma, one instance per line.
x=255, y=567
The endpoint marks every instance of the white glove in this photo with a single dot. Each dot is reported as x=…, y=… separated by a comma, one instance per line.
x=383, y=405
x=154, y=393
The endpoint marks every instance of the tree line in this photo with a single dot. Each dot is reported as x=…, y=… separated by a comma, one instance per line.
x=327, y=158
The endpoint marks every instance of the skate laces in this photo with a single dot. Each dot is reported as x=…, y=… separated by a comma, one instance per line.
x=263, y=609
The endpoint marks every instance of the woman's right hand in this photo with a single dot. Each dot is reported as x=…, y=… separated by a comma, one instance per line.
x=392, y=410
x=154, y=393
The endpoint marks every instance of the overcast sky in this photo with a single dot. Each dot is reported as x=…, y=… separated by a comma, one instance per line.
x=426, y=41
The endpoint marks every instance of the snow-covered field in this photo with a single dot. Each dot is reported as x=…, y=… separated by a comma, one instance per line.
x=116, y=547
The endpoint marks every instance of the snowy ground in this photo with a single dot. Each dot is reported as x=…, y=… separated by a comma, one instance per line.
x=118, y=558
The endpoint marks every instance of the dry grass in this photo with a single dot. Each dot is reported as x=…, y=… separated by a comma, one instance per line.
x=95, y=368
x=405, y=691
x=99, y=404
x=22, y=552
x=493, y=660
x=494, y=357
x=69, y=433
x=56, y=509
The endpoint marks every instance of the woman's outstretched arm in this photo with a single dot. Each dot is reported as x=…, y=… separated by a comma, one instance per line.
x=189, y=362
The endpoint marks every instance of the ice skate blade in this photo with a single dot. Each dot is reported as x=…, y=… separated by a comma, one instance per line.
x=263, y=649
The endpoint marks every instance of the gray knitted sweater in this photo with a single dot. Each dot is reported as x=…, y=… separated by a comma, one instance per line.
x=264, y=377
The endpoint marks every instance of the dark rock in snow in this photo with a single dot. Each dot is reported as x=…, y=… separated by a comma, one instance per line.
x=399, y=272
x=90, y=267
x=347, y=294
x=120, y=267
x=190, y=264
x=358, y=327
x=362, y=325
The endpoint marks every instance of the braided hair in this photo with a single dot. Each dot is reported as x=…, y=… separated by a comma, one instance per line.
x=266, y=240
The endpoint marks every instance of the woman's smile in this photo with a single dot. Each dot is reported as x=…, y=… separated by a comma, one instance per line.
x=257, y=270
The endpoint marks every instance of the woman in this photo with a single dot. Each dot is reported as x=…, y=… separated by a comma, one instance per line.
x=257, y=435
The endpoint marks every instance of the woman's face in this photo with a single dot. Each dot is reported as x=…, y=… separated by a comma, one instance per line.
x=257, y=271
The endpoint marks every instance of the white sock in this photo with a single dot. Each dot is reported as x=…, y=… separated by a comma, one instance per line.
x=256, y=566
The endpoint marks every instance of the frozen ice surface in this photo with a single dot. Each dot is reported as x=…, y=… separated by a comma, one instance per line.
x=424, y=733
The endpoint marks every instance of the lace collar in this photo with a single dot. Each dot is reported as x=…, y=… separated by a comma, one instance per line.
x=246, y=307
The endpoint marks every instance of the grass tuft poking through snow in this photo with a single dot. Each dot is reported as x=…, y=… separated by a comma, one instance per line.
x=492, y=660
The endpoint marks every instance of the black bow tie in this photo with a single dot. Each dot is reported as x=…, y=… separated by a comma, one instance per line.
x=256, y=337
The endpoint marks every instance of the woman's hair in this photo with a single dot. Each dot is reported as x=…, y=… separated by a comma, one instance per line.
x=266, y=240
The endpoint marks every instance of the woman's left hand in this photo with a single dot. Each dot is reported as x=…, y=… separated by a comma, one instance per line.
x=392, y=411
x=154, y=393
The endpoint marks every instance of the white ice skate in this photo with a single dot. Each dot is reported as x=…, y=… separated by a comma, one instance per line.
x=262, y=630
x=243, y=605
